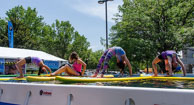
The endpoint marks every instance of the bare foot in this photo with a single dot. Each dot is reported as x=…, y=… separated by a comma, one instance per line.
x=95, y=75
x=168, y=75
x=19, y=77
x=102, y=75
x=52, y=74
x=155, y=75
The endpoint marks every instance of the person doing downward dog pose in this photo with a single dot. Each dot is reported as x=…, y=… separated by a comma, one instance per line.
x=108, y=54
x=35, y=60
x=76, y=69
x=171, y=61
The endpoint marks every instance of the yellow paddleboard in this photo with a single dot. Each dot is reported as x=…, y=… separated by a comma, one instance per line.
x=173, y=78
x=90, y=79
x=162, y=77
x=11, y=78
x=39, y=78
x=49, y=78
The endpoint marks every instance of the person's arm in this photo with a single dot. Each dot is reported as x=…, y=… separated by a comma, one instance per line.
x=169, y=64
x=84, y=66
x=19, y=65
x=44, y=69
x=117, y=59
x=128, y=64
x=182, y=66
x=154, y=62
x=47, y=68
x=99, y=66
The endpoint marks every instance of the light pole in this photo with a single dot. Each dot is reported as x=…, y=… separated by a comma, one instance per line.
x=101, y=2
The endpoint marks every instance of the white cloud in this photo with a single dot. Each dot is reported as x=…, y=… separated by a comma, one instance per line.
x=92, y=8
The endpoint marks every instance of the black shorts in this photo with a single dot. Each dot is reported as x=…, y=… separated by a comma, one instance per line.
x=79, y=73
x=28, y=59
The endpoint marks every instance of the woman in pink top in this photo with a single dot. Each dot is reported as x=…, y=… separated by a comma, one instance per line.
x=76, y=67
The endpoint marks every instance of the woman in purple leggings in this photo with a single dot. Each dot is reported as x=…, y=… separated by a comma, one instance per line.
x=35, y=60
x=108, y=54
x=171, y=62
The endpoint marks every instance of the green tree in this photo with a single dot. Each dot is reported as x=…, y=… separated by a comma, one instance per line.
x=93, y=58
x=145, y=28
x=47, y=39
x=80, y=45
x=60, y=39
x=27, y=26
x=57, y=38
x=3, y=33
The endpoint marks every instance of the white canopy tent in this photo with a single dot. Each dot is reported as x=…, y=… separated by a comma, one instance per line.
x=16, y=53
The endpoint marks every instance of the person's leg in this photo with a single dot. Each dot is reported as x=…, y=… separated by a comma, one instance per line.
x=168, y=65
x=67, y=69
x=121, y=73
x=71, y=71
x=59, y=71
x=107, y=58
x=154, y=62
x=19, y=65
x=101, y=61
x=44, y=69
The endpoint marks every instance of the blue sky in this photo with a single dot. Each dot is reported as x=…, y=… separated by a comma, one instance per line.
x=86, y=16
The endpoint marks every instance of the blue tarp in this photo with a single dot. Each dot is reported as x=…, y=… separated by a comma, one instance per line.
x=3, y=103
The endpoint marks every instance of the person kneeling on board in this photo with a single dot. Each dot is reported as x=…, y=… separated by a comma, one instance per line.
x=75, y=70
x=108, y=54
x=35, y=60
x=171, y=61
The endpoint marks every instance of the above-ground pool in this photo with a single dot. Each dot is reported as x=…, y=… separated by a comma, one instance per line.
x=133, y=92
x=176, y=84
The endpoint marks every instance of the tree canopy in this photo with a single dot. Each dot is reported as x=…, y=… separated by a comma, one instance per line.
x=59, y=38
x=145, y=28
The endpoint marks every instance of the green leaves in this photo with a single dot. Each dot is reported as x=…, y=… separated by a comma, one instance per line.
x=59, y=39
x=3, y=32
x=148, y=27
x=27, y=25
